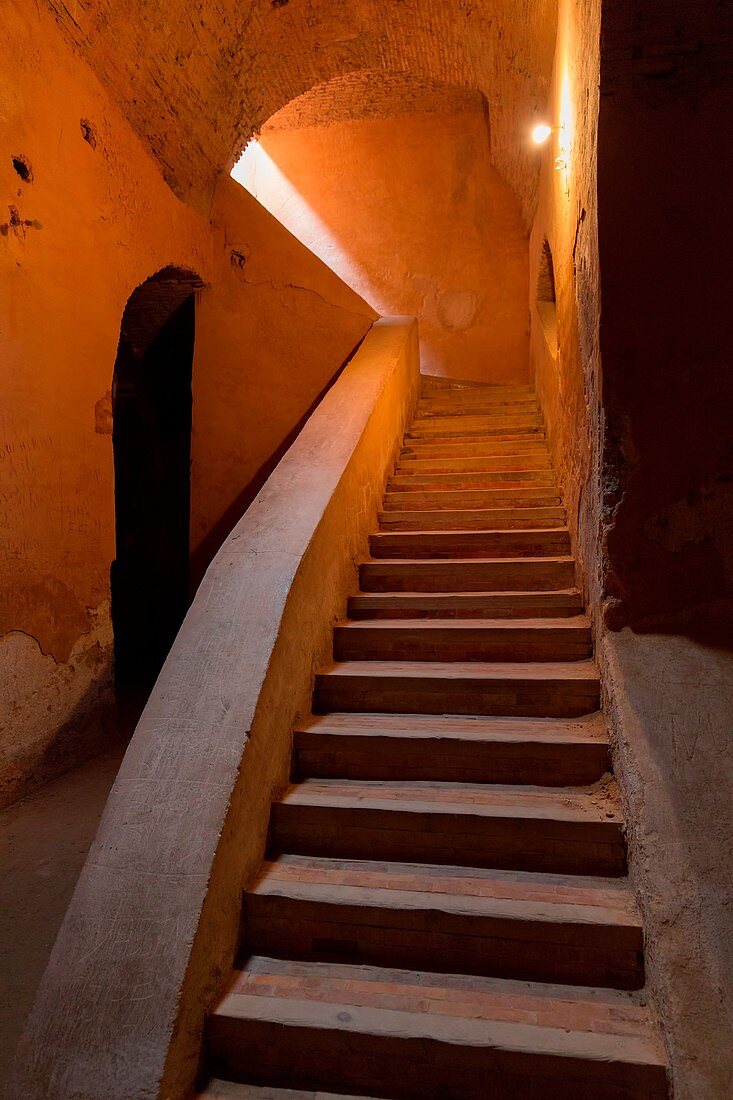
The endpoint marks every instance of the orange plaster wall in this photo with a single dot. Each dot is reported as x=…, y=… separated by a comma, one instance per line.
x=94, y=222
x=270, y=336
x=567, y=378
x=410, y=212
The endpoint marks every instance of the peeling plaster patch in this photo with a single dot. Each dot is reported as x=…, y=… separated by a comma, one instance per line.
x=17, y=224
x=22, y=166
x=103, y=414
x=53, y=714
x=88, y=132
x=457, y=309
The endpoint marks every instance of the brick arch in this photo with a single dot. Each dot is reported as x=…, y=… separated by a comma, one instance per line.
x=218, y=75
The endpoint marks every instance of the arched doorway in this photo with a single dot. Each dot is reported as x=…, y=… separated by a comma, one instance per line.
x=151, y=405
x=546, y=299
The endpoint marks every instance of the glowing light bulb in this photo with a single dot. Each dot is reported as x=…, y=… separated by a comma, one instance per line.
x=541, y=133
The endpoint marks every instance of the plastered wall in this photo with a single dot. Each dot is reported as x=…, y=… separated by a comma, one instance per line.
x=197, y=86
x=185, y=826
x=410, y=211
x=636, y=402
x=92, y=220
x=276, y=326
x=566, y=373
x=664, y=166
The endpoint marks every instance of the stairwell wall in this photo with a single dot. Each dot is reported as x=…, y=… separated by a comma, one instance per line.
x=567, y=370
x=411, y=211
x=636, y=401
x=88, y=217
x=185, y=826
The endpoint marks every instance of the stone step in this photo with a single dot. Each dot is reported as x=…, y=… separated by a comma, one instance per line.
x=529, y=496
x=472, y=433
x=427, y=448
x=551, y=689
x=468, y=421
x=537, y=543
x=433, y=409
x=563, y=830
x=459, y=390
x=217, y=1089
x=552, y=751
x=503, y=924
x=413, y=1035
x=566, y=639
x=489, y=519
x=464, y=605
x=488, y=464
x=473, y=479
x=468, y=575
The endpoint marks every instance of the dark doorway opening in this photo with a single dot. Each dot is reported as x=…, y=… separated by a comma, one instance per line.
x=151, y=436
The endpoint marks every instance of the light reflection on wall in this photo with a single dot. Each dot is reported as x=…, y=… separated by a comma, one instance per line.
x=258, y=173
x=410, y=211
x=565, y=130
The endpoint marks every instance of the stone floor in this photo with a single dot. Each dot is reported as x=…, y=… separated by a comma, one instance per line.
x=44, y=841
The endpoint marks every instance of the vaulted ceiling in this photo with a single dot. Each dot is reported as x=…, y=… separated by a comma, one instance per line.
x=196, y=80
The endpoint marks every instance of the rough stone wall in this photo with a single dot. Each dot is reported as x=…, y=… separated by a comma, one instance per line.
x=409, y=211
x=667, y=98
x=197, y=81
x=87, y=217
x=638, y=406
x=567, y=377
x=664, y=167
x=93, y=219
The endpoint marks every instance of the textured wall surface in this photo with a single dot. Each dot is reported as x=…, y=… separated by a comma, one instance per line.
x=567, y=377
x=275, y=327
x=93, y=220
x=637, y=402
x=665, y=162
x=410, y=212
x=666, y=104
x=218, y=71
x=186, y=823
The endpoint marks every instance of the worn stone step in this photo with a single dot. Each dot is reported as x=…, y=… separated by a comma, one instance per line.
x=464, y=605
x=504, y=924
x=460, y=449
x=489, y=519
x=463, y=428
x=459, y=441
x=413, y=1035
x=445, y=432
x=458, y=390
x=468, y=575
x=515, y=406
x=218, y=1089
x=489, y=464
x=564, y=830
x=473, y=479
x=550, y=751
x=468, y=421
x=530, y=496
x=551, y=689
x=536, y=543
x=567, y=639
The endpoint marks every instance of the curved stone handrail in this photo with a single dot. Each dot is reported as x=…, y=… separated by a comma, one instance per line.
x=151, y=931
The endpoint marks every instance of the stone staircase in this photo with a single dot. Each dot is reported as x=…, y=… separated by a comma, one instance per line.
x=444, y=910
